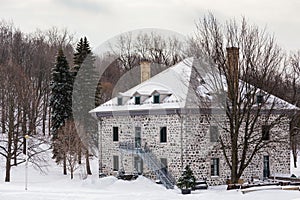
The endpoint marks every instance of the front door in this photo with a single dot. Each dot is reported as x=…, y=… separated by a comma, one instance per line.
x=137, y=138
x=138, y=165
x=266, y=171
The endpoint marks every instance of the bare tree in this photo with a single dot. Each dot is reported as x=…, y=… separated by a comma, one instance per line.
x=69, y=144
x=127, y=53
x=294, y=86
x=25, y=64
x=234, y=83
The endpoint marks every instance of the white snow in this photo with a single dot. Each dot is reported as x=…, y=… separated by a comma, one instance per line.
x=295, y=171
x=55, y=186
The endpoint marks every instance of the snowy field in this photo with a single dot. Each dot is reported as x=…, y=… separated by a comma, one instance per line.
x=54, y=186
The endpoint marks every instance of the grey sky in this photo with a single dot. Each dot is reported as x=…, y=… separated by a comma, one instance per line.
x=100, y=20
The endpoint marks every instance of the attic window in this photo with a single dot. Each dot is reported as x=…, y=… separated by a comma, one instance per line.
x=120, y=101
x=259, y=98
x=156, y=98
x=137, y=100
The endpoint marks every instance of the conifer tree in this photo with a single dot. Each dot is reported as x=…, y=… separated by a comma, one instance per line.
x=82, y=51
x=60, y=101
x=187, y=179
x=85, y=82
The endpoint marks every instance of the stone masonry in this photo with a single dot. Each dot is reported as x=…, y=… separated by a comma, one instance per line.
x=188, y=143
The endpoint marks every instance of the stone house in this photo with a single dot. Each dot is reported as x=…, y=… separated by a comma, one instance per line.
x=159, y=126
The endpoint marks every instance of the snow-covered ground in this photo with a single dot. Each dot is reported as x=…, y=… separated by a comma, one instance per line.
x=295, y=171
x=54, y=186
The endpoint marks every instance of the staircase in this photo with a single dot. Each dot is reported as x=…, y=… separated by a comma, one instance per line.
x=152, y=162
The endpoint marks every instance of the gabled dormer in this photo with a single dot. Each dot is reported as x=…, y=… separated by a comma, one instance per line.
x=260, y=98
x=158, y=96
x=140, y=97
x=122, y=99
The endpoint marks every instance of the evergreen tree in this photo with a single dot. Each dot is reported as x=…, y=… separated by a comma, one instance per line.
x=82, y=51
x=85, y=82
x=187, y=179
x=60, y=101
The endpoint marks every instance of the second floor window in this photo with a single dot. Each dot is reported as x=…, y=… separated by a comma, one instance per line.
x=213, y=133
x=265, y=129
x=115, y=134
x=163, y=134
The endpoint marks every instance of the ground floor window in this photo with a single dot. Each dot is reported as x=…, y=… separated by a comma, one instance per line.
x=116, y=163
x=215, y=167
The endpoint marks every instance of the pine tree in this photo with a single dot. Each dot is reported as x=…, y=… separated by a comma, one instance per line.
x=60, y=101
x=85, y=82
x=82, y=51
x=187, y=179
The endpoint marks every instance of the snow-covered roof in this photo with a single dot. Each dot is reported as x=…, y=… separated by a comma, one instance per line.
x=175, y=85
x=172, y=82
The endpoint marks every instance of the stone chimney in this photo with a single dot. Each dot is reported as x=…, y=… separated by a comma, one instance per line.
x=145, y=70
x=233, y=72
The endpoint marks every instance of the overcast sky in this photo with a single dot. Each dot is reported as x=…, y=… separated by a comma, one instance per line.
x=100, y=20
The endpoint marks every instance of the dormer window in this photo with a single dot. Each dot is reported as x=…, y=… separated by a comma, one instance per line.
x=120, y=101
x=156, y=98
x=259, y=98
x=137, y=100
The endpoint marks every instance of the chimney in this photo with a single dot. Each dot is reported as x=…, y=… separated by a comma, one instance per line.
x=145, y=70
x=233, y=72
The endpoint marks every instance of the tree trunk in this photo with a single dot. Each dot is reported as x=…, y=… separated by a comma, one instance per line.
x=87, y=163
x=9, y=143
x=44, y=118
x=65, y=165
x=72, y=173
x=7, y=169
x=234, y=160
x=24, y=127
x=295, y=159
x=49, y=120
x=79, y=156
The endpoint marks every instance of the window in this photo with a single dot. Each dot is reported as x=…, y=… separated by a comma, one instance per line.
x=214, y=133
x=156, y=98
x=265, y=129
x=163, y=134
x=120, y=101
x=115, y=134
x=215, y=167
x=138, y=137
x=259, y=98
x=137, y=100
x=116, y=163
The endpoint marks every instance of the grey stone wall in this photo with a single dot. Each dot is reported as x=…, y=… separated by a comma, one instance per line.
x=188, y=142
